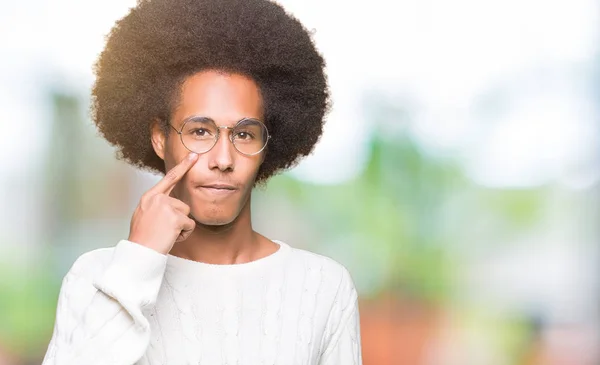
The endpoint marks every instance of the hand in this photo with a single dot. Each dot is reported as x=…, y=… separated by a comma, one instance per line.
x=160, y=220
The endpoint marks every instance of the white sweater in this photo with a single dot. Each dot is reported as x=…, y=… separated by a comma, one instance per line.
x=129, y=304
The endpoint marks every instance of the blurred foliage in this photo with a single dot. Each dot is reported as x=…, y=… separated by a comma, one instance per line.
x=397, y=223
x=27, y=307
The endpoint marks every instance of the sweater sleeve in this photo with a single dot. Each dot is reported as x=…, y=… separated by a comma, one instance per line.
x=99, y=318
x=344, y=345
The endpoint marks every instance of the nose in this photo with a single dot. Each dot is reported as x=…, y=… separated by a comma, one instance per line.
x=222, y=154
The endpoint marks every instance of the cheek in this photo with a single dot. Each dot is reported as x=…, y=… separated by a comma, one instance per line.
x=249, y=169
x=175, y=152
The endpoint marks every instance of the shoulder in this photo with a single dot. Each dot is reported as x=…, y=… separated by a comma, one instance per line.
x=313, y=259
x=333, y=275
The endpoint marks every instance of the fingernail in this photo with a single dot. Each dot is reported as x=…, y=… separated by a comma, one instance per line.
x=192, y=156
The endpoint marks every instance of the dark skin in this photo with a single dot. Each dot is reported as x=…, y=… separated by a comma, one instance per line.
x=223, y=231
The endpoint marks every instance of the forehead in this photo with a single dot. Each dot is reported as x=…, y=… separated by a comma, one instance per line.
x=225, y=98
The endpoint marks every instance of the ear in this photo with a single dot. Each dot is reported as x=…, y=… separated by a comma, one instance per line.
x=158, y=139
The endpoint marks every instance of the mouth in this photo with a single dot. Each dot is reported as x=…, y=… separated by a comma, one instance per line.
x=218, y=189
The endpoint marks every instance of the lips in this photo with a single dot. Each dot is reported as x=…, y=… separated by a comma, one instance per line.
x=219, y=186
x=218, y=189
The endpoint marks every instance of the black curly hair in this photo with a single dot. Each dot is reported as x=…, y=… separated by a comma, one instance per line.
x=159, y=43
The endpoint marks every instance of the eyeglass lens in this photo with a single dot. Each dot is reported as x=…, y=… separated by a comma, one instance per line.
x=249, y=136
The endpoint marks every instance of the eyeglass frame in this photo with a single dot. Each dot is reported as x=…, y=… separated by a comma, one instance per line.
x=186, y=120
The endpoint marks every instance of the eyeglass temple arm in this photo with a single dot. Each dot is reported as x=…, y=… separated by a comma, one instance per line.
x=175, y=129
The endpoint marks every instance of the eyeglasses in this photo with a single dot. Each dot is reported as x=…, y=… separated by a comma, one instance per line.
x=200, y=134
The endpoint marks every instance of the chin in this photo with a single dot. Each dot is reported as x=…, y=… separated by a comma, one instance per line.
x=214, y=222
x=214, y=217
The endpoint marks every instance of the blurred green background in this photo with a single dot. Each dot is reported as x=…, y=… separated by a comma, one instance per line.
x=458, y=178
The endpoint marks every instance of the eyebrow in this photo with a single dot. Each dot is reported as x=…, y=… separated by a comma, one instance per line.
x=201, y=117
x=209, y=119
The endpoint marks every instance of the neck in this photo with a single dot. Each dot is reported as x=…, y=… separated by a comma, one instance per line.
x=232, y=243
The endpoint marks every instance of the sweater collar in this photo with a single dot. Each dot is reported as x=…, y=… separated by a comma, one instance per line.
x=177, y=264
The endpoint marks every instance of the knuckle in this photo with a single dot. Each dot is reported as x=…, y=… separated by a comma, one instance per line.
x=145, y=203
x=172, y=211
x=173, y=219
x=145, y=197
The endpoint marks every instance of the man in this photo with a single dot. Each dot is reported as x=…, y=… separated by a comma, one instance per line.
x=219, y=95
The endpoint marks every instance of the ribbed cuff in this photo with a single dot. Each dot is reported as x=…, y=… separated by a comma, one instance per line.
x=134, y=274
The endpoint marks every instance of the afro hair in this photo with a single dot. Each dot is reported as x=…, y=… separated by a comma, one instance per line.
x=159, y=43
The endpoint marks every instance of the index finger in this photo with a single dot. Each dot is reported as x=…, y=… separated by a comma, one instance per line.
x=168, y=182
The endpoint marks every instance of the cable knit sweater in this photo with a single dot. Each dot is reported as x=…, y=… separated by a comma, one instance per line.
x=129, y=304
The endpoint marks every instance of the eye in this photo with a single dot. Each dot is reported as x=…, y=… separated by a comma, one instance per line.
x=199, y=132
x=244, y=135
